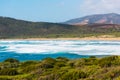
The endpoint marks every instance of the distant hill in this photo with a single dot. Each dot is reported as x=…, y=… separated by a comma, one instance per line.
x=111, y=18
x=13, y=28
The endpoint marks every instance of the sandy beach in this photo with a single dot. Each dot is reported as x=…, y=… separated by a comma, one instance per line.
x=86, y=38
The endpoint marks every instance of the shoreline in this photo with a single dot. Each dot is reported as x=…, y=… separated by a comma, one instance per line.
x=86, y=38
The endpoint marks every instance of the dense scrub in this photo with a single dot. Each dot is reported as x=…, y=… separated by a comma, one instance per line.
x=106, y=68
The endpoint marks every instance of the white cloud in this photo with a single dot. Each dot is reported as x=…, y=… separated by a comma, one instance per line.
x=100, y=6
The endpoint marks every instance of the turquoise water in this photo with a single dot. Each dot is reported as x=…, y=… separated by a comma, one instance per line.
x=37, y=50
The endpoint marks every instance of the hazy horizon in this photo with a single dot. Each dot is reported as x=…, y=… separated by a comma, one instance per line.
x=56, y=10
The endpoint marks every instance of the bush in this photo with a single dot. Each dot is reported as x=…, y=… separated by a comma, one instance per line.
x=106, y=68
x=74, y=75
x=28, y=63
x=5, y=79
x=50, y=60
x=60, y=64
x=62, y=59
x=9, y=72
x=109, y=61
x=32, y=68
x=70, y=64
x=92, y=57
x=9, y=65
x=80, y=62
x=12, y=60
x=48, y=63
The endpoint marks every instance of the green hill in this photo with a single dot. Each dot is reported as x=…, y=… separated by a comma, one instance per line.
x=13, y=28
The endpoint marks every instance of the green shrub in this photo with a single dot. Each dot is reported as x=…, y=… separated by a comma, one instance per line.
x=109, y=61
x=71, y=63
x=62, y=59
x=60, y=64
x=49, y=60
x=5, y=79
x=80, y=62
x=48, y=63
x=9, y=72
x=28, y=63
x=92, y=57
x=12, y=60
x=9, y=65
x=74, y=75
x=106, y=68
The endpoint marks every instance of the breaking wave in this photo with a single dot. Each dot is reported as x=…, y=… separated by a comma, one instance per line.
x=61, y=46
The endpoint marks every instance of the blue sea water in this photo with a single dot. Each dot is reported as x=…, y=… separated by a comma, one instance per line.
x=40, y=49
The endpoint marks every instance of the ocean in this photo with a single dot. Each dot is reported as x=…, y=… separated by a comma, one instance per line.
x=39, y=49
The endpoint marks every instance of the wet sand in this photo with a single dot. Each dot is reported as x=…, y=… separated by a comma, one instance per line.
x=86, y=38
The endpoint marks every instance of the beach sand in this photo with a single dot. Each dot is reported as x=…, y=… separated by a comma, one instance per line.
x=86, y=38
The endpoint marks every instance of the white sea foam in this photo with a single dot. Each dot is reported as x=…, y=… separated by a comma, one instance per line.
x=56, y=46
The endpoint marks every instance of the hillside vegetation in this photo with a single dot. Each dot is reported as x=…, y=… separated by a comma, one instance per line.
x=106, y=68
x=12, y=28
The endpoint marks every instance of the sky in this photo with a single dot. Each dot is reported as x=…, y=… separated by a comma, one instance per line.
x=56, y=10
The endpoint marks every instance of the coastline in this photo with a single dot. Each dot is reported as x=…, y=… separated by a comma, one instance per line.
x=86, y=38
